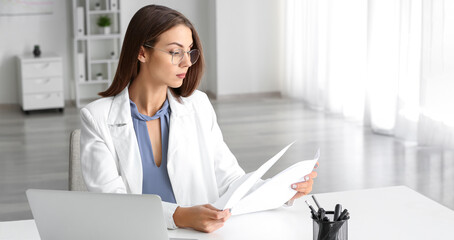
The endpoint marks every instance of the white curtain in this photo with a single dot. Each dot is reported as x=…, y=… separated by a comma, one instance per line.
x=388, y=64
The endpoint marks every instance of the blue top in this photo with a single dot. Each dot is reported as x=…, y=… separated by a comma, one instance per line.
x=155, y=179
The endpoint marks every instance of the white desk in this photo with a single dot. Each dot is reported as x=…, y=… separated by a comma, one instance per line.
x=399, y=213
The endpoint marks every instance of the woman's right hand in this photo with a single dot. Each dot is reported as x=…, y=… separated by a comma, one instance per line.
x=204, y=218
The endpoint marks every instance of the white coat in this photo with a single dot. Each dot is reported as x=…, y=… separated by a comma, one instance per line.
x=200, y=165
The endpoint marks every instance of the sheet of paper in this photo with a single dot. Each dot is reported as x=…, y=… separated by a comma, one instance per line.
x=242, y=186
x=276, y=191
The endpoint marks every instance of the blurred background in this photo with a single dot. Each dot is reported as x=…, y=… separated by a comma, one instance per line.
x=370, y=83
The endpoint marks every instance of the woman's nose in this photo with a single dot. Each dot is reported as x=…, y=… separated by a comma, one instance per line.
x=186, y=62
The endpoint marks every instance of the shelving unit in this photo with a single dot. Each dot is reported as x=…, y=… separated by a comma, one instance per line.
x=95, y=52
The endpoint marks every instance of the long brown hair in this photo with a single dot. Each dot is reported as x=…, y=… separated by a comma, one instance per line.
x=146, y=26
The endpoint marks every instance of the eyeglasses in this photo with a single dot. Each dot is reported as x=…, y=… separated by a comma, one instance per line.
x=178, y=55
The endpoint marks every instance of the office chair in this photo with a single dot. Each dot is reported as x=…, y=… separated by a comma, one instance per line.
x=75, y=180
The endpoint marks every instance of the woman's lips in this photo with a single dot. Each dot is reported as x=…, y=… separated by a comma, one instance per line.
x=181, y=75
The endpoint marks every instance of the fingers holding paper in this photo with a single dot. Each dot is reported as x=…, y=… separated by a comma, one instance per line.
x=304, y=187
x=204, y=218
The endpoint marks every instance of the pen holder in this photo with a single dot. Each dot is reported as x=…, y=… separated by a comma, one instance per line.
x=330, y=230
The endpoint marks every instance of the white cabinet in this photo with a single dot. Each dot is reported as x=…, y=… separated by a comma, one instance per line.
x=40, y=82
x=95, y=50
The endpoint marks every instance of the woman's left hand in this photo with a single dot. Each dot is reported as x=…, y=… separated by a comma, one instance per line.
x=304, y=187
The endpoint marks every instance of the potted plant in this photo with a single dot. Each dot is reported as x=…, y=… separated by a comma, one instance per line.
x=104, y=22
x=97, y=6
x=99, y=76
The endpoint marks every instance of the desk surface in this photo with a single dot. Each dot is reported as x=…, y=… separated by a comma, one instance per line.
x=400, y=213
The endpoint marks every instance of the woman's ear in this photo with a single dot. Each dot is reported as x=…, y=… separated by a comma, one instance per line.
x=142, y=57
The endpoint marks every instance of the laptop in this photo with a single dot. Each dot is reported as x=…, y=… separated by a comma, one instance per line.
x=87, y=215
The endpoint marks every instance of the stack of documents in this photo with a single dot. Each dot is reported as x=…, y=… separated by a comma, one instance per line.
x=251, y=194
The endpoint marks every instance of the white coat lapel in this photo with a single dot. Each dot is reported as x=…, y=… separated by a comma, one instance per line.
x=179, y=111
x=178, y=145
x=125, y=141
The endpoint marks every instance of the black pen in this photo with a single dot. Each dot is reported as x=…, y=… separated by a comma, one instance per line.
x=321, y=211
x=337, y=212
x=322, y=215
x=343, y=215
x=346, y=217
x=314, y=213
x=316, y=202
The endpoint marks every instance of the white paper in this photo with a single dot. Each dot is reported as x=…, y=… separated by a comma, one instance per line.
x=243, y=185
x=276, y=191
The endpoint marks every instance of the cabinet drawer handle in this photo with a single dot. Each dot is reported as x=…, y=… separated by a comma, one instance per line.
x=42, y=81
x=43, y=96
x=43, y=66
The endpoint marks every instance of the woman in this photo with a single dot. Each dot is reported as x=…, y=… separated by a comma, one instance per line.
x=154, y=133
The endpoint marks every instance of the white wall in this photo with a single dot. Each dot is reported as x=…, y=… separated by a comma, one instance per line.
x=249, y=46
x=210, y=49
x=18, y=35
